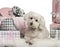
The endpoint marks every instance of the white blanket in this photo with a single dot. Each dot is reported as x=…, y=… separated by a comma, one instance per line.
x=21, y=43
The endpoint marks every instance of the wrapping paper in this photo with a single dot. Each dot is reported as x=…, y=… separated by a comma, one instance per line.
x=56, y=11
x=55, y=31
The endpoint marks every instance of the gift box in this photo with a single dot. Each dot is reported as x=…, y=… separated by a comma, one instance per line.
x=10, y=35
x=55, y=31
x=15, y=11
x=5, y=12
x=8, y=25
x=55, y=26
x=13, y=24
x=11, y=19
x=56, y=11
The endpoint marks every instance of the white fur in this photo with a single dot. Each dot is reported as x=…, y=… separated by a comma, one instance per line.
x=37, y=30
x=45, y=43
x=38, y=43
x=14, y=43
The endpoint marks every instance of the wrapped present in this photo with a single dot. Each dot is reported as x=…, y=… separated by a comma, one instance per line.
x=12, y=12
x=9, y=35
x=20, y=24
x=5, y=12
x=55, y=26
x=13, y=24
x=55, y=31
x=8, y=25
x=56, y=11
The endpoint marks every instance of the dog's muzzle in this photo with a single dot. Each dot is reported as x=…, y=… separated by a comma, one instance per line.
x=31, y=23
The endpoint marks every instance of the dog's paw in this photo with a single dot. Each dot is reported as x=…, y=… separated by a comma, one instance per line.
x=29, y=43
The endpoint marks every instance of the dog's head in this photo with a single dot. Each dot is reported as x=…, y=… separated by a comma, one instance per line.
x=34, y=20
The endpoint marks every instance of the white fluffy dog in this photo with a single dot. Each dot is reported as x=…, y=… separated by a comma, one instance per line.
x=36, y=27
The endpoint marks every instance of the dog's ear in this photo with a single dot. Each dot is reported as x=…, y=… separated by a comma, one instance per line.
x=26, y=17
x=41, y=23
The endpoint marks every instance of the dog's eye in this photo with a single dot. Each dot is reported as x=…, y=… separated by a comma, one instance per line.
x=36, y=20
x=23, y=13
x=31, y=18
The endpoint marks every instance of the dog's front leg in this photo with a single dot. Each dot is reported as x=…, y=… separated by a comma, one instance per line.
x=28, y=40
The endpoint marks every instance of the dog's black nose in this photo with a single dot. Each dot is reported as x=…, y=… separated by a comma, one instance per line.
x=31, y=23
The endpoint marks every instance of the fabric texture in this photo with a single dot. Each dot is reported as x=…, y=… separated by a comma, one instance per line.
x=55, y=31
x=8, y=24
x=5, y=12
